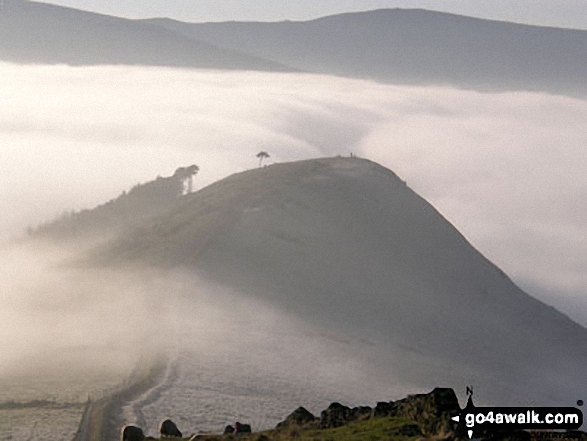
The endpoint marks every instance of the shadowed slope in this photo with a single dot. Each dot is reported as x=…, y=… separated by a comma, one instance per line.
x=132, y=208
x=345, y=242
x=413, y=47
x=33, y=32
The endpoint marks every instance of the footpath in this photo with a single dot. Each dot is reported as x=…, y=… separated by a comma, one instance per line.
x=101, y=419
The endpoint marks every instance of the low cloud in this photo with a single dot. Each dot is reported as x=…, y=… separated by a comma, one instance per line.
x=507, y=169
x=57, y=319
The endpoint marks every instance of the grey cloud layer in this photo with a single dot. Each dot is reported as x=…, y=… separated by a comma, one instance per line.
x=506, y=169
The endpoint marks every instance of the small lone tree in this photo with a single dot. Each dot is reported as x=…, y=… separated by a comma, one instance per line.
x=261, y=156
x=191, y=171
x=186, y=176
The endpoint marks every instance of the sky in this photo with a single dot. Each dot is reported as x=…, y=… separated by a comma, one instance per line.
x=559, y=13
x=507, y=169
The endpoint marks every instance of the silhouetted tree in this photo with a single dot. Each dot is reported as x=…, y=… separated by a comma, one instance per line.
x=180, y=173
x=261, y=156
x=191, y=171
x=186, y=175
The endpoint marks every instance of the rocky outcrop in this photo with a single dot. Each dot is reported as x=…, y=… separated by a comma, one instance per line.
x=335, y=416
x=132, y=433
x=432, y=412
x=242, y=428
x=228, y=430
x=382, y=409
x=360, y=413
x=298, y=417
x=168, y=429
x=422, y=416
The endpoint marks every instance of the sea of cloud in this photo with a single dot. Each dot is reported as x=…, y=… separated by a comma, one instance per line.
x=508, y=169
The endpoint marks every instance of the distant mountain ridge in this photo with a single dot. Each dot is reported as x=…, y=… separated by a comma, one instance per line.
x=399, y=46
x=41, y=33
x=345, y=243
x=413, y=46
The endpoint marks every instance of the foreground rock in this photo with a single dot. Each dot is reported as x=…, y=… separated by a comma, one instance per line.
x=242, y=428
x=168, y=429
x=132, y=433
x=298, y=417
x=432, y=412
x=336, y=415
x=421, y=417
x=228, y=430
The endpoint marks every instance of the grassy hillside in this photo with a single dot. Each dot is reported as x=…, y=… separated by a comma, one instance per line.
x=345, y=242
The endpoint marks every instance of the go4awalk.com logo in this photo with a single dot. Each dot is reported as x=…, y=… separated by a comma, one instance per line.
x=478, y=421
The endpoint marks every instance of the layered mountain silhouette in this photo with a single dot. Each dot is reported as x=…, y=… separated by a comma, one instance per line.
x=347, y=244
x=413, y=47
x=32, y=32
x=394, y=46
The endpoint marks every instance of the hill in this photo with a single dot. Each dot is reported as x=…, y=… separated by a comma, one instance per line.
x=33, y=32
x=401, y=46
x=345, y=243
x=411, y=46
x=130, y=209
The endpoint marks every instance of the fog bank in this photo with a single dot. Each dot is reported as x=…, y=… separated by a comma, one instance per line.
x=506, y=169
x=60, y=319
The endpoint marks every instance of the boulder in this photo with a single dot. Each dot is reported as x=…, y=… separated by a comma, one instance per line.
x=228, y=430
x=168, y=429
x=361, y=413
x=298, y=417
x=335, y=416
x=432, y=412
x=242, y=428
x=382, y=409
x=131, y=433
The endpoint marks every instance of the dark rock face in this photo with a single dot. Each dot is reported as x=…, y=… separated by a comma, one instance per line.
x=298, y=417
x=131, y=433
x=335, y=416
x=382, y=409
x=432, y=412
x=228, y=430
x=168, y=429
x=242, y=428
x=361, y=413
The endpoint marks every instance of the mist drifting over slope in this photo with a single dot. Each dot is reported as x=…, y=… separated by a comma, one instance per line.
x=57, y=319
x=345, y=244
x=507, y=169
